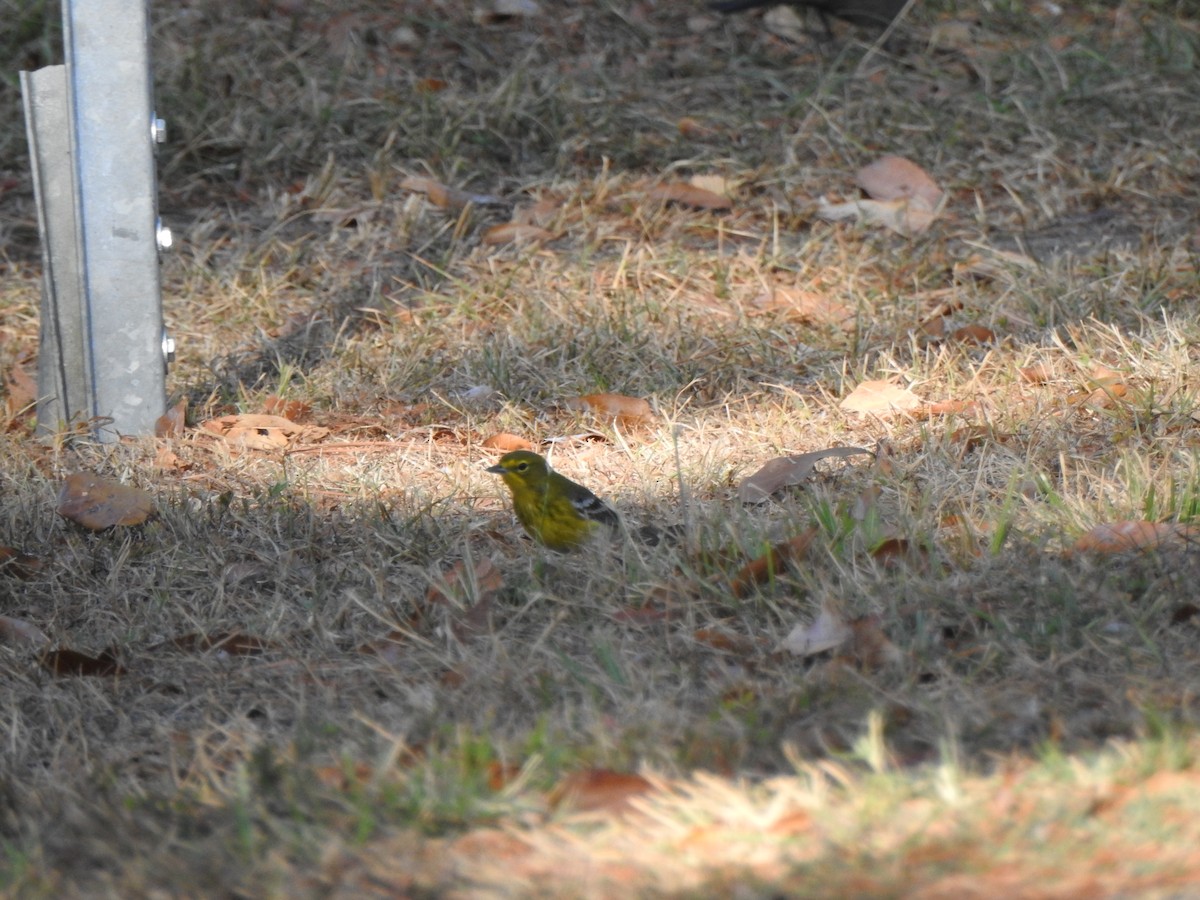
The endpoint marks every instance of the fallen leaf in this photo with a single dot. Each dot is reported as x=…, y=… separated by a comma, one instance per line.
x=804, y=306
x=18, y=631
x=726, y=642
x=974, y=334
x=20, y=390
x=505, y=442
x=516, y=233
x=1119, y=537
x=827, y=631
x=785, y=471
x=626, y=410
x=22, y=565
x=762, y=569
x=97, y=502
x=72, y=662
x=695, y=129
x=222, y=643
x=880, y=398
x=1039, y=373
x=445, y=197
x=897, y=178
x=172, y=422
x=689, y=195
x=253, y=431
x=292, y=410
x=599, y=790
x=870, y=647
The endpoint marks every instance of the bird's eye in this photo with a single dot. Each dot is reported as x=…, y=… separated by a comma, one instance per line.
x=521, y=467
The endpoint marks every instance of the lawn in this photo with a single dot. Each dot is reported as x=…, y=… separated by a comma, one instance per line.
x=318, y=656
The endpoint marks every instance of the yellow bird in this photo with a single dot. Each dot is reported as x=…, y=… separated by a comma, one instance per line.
x=553, y=509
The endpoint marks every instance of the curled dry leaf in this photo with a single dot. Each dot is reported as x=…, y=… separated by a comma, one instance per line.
x=1039, y=373
x=506, y=442
x=516, y=233
x=22, y=565
x=223, y=643
x=1120, y=537
x=870, y=647
x=171, y=423
x=292, y=410
x=445, y=197
x=72, y=662
x=599, y=790
x=253, y=431
x=785, y=471
x=20, y=390
x=96, y=502
x=689, y=195
x=974, y=334
x=762, y=569
x=626, y=410
x=880, y=398
x=896, y=178
x=693, y=128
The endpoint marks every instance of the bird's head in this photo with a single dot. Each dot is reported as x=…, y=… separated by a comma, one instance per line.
x=521, y=465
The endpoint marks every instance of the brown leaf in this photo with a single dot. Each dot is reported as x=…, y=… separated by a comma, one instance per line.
x=974, y=334
x=880, y=398
x=784, y=471
x=762, y=569
x=171, y=423
x=626, y=410
x=689, y=195
x=870, y=647
x=812, y=307
x=695, y=129
x=445, y=197
x=72, y=662
x=22, y=565
x=516, y=233
x=97, y=502
x=252, y=431
x=20, y=390
x=726, y=642
x=599, y=790
x=892, y=552
x=292, y=410
x=223, y=643
x=18, y=631
x=896, y=178
x=506, y=442
x=1119, y=537
x=1039, y=373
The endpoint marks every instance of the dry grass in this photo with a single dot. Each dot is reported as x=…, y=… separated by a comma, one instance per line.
x=1033, y=734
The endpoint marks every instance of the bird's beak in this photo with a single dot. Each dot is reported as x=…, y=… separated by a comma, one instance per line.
x=497, y=469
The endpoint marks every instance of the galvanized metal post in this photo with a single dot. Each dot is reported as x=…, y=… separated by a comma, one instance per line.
x=92, y=132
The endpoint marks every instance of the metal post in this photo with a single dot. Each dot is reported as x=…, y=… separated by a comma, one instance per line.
x=92, y=132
